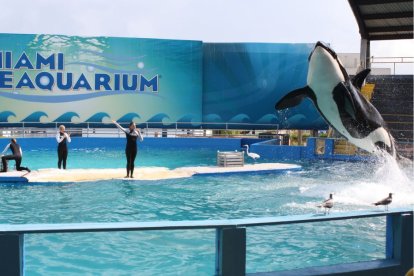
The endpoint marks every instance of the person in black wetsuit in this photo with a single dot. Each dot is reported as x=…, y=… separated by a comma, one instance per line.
x=131, y=149
x=62, y=138
x=16, y=156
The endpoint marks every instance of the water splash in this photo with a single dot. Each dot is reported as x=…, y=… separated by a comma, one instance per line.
x=386, y=177
x=358, y=185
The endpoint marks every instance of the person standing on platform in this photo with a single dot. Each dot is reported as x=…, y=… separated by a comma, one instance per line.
x=16, y=155
x=131, y=149
x=63, y=139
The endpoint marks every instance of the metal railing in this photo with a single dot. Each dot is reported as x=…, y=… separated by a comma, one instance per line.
x=149, y=129
x=230, y=239
x=393, y=61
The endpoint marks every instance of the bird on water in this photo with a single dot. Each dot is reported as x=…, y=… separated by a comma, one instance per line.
x=386, y=201
x=327, y=204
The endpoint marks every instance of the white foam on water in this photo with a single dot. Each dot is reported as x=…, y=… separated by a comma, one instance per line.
x=386, y=177
x=389, y=177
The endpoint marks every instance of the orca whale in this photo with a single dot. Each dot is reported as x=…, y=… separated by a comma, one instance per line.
x=339, y=100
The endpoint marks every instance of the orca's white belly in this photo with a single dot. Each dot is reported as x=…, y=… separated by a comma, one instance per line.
x=329, y=109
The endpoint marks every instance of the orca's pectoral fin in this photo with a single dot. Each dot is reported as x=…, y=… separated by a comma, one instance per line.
x=294, y=98
x=359, y=78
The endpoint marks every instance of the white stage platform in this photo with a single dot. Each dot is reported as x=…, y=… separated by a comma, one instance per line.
x=141, y=173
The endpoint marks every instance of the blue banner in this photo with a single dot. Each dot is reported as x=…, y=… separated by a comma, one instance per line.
x=55, y=78
x=243, y=81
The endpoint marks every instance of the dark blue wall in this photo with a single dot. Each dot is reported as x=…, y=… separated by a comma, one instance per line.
x=267, y=149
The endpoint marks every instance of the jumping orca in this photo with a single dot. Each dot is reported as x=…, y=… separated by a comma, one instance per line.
x=339, y=100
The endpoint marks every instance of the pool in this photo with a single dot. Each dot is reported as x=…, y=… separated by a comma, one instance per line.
x=355, y=186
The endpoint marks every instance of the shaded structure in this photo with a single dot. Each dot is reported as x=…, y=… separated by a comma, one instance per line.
x=393, y=96
x=382, y=20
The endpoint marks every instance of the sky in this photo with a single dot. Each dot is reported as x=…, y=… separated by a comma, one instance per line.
x=272, y=21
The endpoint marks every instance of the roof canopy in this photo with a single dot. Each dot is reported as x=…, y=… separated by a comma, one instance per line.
x=384, y=19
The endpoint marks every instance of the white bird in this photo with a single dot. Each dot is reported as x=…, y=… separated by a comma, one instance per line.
x=251, y=154
x=386, y=201
x=327, y=204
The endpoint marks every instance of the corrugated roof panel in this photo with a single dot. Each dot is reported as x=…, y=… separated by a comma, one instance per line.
x=384, y=19
x=389, y=22
x=386, y=8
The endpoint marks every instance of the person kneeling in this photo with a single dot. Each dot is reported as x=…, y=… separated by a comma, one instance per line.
x=16, y=156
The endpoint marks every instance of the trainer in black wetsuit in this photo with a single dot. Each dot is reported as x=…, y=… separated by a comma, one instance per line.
x=62, y=138
x=131, y=149
x=16, y=156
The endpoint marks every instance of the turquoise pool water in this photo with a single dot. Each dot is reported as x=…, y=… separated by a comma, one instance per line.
x=355, y=185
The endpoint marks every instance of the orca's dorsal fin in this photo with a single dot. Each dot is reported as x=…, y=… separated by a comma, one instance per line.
x=294, y=98
x=359, y=78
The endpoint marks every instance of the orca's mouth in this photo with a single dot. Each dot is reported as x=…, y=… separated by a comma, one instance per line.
x=324, y=46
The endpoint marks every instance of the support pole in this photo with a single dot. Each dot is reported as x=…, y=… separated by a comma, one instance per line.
x=231, y=251
x=11, y=254
x=300, y=136
x=399, y=240
x=365, y=53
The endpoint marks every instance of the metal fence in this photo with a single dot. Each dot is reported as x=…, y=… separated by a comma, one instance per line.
x=231, y=240
x=148, y=129
x=395, y=63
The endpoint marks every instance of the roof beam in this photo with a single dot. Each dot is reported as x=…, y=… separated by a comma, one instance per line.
x=385, y=29
x=392, y=15
x=390, y=37
x=379, y=2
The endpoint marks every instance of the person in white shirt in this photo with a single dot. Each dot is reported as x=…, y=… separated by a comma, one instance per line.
x=16, y=155
x=62, y=138
x=131, y=149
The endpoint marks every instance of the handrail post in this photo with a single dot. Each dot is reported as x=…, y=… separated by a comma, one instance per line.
x=231, y=251
x=11, y=254
x=399, y=240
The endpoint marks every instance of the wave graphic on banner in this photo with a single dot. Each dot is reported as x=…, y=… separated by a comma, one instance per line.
x=159, y=118
x=212, y=118
x=98, y=117
x=187, y=121
x=66, y=117
x=240, y=118
x=35, y=117
x=268, y=119
x=4, y=116
x=129, y=117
